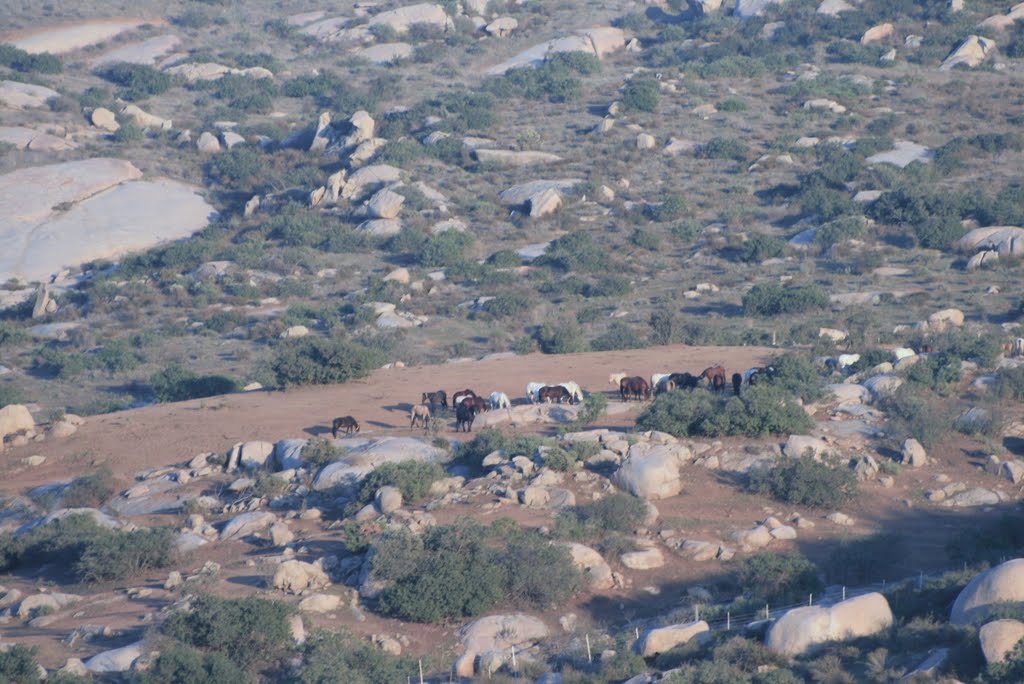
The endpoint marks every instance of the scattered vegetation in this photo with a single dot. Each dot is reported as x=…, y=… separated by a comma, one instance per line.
x=807, y=481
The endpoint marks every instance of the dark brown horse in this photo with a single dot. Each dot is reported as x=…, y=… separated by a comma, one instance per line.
x=438, y=398
x=716, y=376
x=464, y=416
x=479, y=404
x=634, y=388
x=554, y=394
x=461, y=395
x=346, y=423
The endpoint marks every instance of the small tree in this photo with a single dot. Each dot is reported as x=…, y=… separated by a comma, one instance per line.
x=805, y=481
x=641, y=94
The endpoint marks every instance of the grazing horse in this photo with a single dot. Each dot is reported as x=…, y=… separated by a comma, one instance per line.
x=552, y=394
x=635, y=387
x=575, y=392
x=684, y=380
x=616, y=378
x=464, y=416
x=438, y=398
x=459, y=396
x=499, y=400
x=716, y=376
x=656, y=380
x=737, y=380
x=531, y=390
x=346, y=423
x=478, y=404
x=755, y=376
x=420, y=414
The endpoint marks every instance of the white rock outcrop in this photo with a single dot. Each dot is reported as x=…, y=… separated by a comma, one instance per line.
x=663, y=639
x=1001, y=584
x=801, y=629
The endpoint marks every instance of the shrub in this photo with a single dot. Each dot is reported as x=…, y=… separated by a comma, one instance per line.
x=319, y=361
x=671, y=208
x=1008, y=384
x=556, y=80
x=118, y=356
x=413, y=478
x=917, y=414
x=724, y=148
x=18, y=663
x=566, y=338
x=641, y=94
x=773, y=299
x=732, y=104
x=935, y=372
x=180, y=664
x=508, y=304
x=251, y=631
x=330, y=657
x=760, y=247
x=19, y=60
x=174, y=383
x=805, y=481
x=491, y=439
x=540, y=574
x=779, y=577
x=762, y=410
x=296, y=227
x=445, y=249
x=117, y=555
x=615, y=513
x=618, y=336
x=575, y=252
x=645, y=239
x=9, y=394
x=90, y=491
x=238, y=168
x=839, y=230
x=797, y=374
x=320, y=452
x=137, y=81
x=10, y=334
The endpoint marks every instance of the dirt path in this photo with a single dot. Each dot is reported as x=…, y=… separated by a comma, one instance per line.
x=130, y=441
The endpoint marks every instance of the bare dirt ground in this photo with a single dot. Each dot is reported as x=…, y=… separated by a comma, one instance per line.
x=712, y=506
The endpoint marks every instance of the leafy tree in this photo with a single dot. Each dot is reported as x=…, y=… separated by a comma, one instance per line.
x=320, y=361
x=137, y=81
x=779, y=577
x=174, y=383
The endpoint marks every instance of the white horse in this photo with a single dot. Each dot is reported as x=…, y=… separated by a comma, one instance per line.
x=499, y=400
x=616, y=378
x=575, y=392
x=531, y=390
x=657, y=379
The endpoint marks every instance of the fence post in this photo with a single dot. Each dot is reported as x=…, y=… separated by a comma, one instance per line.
x=844, y=592
x=421, y=671
x=590, y=657
x=728, y=621
x=766, y=613
x=636, y=631
x=810, y=599
x=696, y=613
x=514, y=668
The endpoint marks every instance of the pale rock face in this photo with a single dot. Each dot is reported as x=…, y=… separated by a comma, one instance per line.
x=144, y=52
x=514, y=159
x=16, y=95
x=105, y=119
x=877, y=33
x=753, y=8
x=15, y=418
x=501, y=632
x=320, y=603
x=802, y=629
x=208, y=143
x=914, y=454
x=652, y=475
x=502, y=27
x=972, y=52
x=384, y=53
x=402, y=18
x=662, y=639
x=998, y=639
x=32, y=139
x=597, y=41
x=210, y=71
x=798, y=445
x=834, y=8
x=940, y=320
x=1003, y=583
x=247, y=523
x=295, y=576
x=145, y=119
x=116, y=660
x=647, y=559
x=385, y=204
x=61, y=39
x=592, y=564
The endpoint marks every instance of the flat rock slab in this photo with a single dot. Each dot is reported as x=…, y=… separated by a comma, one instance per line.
x=30, y=139
x=144, y=52
x=69, y=37
x=17, y=95
x=104, y=212
x=903, y=154
x=384, y=53
x=596, y=41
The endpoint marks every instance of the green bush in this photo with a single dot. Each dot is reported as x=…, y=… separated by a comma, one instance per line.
x=252, y=632
x=320, y=452
x=641, y=94
x=671, y=208
x=805, y=481
x=11, y=334
x=839, y=230
x=614, y=513
x=18, y=664
x=239, y=168
x=508, y=304
x=180, y=664
x=10, y=394
x=608, y=286
x=319, y=361
x=773, y=299
x=445, y=249
x=935, y=372
x=90, y=491
x=19, y=60
x=762, y=410
x=413, y=478
x=556, y=80
x=456, y=571
x=796, y=373
x=491, y=439
x=118, y=555
x=566, y=338
x=725, y=148
x=137, y=81
x=779, y=577
x=575, y=251
x=174, y=383
x=330, y=657
x=917, y=414
x=618, y=336
x=1008, y=384
x=759, y=247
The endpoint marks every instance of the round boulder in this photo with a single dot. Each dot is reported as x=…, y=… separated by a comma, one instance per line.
x=1001, y=584
x=662, y=639
x=802, y=629
x=999, y=638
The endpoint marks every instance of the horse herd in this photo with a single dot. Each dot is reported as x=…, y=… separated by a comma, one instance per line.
x=468, y=405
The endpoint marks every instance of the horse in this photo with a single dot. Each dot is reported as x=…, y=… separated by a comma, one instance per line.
x=716, y=376
x=459, y=396
x=635, y=387
x=479, y=404
x=755, y=375
x=347, y=423
x=420, y=414
x=575, y=392
x=440, y=397
x=656, y=380
x=553, y=393
x=464, y=416
x=499, y=400
x=737, y=380
x=531, y=390
x=616, y=378
x=684, y=380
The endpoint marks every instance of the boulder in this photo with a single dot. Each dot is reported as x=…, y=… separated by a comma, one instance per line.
x=30, y=605
x=998, y=639
x=362, y=457
x=295, y=576
x=903, y=154
x=115, y=660
x=849, y=393
x=247, y=524
x=388, y=499
x=697, y=550
x=1001, y=584
x=802, y=629
x=381, y=227
x=940, y=320
x=983, y=259
x=883, y=386
x=369, y=178
x=545, y=202
x=102, y=117
x=400, y=19
x=653, y=474
x=753, y=8
x=664, y=639
x=208, y=143
x=972, y=52
x=592, y=564
x=288, y=454
x=799, y=445
x=17, y=95
x=969, y=498
x=645, y=141
x=385, y=204
x=502, y=27
x=384, y=53
x=877, y=33
x=513, y=158
x=231, y=139
x=14, y=418
x=647, y=559
x=320, y=603
x=501, y=632
x=599, y=42
x=211, y=71
x=254, y=455
x=280, y=535
x=833, y=8
x=913, y=454
x=143, y=52
x=145, y=119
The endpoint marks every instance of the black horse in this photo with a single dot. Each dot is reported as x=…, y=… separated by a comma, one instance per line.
x=464, y=416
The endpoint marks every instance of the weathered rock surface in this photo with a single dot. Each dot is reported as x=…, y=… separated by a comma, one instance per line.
x=365, y=456
x=115, y=660
x=67, y=38
x=501, y=632
x=1003, y=583
x=654, y=473
x=384, y=53
x=14, y=418
x=597, y=41
x=247, y=523
x=972, y=52
x=663, y=639
x=31, y=139
x=144, y=52
x=594, y=567
x=295, y=576
x=801, y=629
x=17, y=95
x=998, y=639
x=402, y=18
